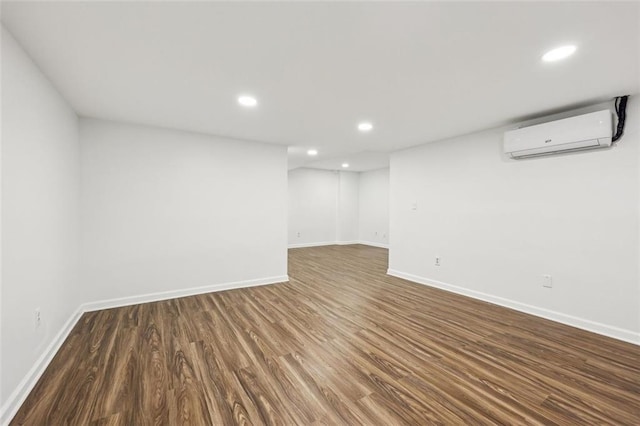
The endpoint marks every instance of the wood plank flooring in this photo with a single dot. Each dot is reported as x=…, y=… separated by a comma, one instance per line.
x=341, y=343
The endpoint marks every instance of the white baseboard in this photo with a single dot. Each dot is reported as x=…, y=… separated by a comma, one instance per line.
x=374, y=244
x=18, y=396
x=347, y=243
x=585, y=324
x=174, y=294
x=302, y=245
x=339, y=243
x=20, y=393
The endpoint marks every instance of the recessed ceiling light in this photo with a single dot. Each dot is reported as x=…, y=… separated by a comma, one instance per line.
x=247, y=101
x=312, y=152
x=345, y=165
x=559, y=53
x=365, y=126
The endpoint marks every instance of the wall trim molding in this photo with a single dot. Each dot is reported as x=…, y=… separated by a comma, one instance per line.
x=347, y=243
x=26, y=385
x=318, y=244
x=20, y=393
x=584, y=324
x=374, y=244
x=175, y=294
x=339, y=243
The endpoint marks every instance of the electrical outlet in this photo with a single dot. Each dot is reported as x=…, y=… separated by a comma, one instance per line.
x=547, y=282
x=298, y=235
x=384, y=236
x=437, y=261
x=375, y=233
x=37, y=318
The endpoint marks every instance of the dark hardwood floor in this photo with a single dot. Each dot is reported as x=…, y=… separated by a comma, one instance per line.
x=341, y=343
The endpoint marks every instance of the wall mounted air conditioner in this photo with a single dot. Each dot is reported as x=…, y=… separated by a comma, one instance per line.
x=586, y=131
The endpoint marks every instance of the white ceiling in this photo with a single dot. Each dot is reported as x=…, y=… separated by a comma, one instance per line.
x=419, y=71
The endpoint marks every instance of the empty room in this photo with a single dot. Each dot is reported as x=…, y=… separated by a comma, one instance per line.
x=319, y=213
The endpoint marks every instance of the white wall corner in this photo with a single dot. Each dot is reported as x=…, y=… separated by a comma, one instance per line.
x=26, y=385
x=22, y=391
x=584, y=324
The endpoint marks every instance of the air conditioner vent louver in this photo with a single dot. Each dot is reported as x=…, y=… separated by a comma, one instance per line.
x=588, y=131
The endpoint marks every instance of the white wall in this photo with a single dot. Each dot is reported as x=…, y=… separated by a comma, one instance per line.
x=323, y=207
x=168, y=211
x=40, y=189
x=373, y=223
x=500, y=224
x=313, y=206
x=348, y=207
